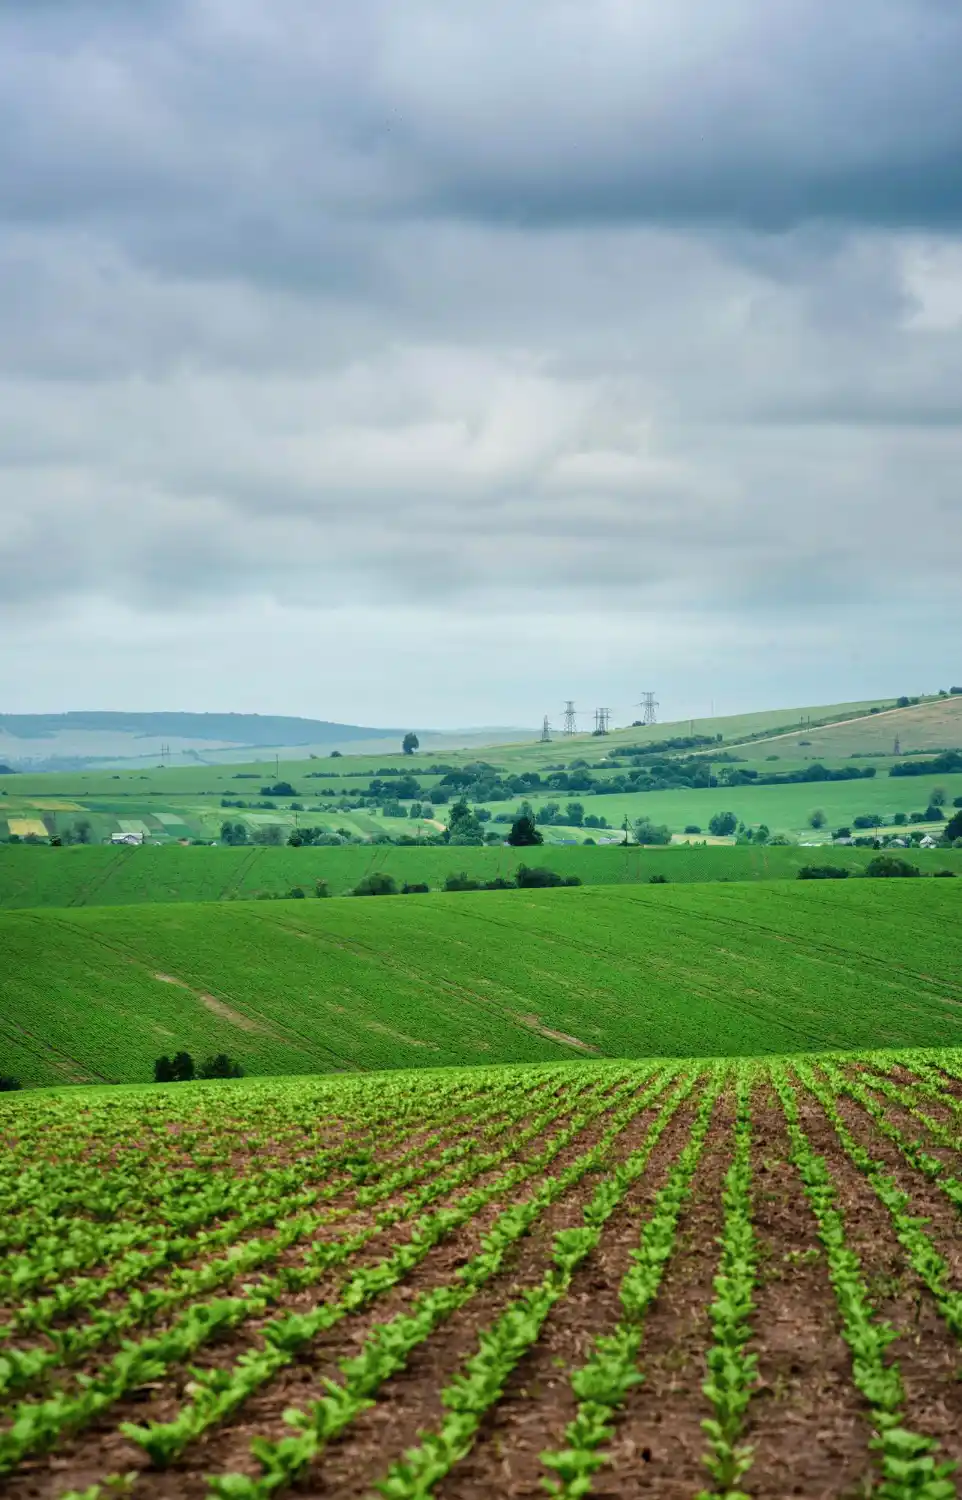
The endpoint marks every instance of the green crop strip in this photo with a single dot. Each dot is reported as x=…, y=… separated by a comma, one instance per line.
x=910, y=1468
x=732, y=1370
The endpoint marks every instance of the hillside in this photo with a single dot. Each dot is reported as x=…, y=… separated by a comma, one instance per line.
x=933, y=725
x=46, y=741
x=94, y=875
x=513, y=977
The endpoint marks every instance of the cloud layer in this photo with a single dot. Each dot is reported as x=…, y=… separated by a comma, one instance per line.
x=639, y=328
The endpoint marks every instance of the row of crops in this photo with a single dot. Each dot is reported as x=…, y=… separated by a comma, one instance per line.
x=685, y=1277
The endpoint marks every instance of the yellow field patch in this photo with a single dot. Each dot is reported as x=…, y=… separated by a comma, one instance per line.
x=50, y=804
x=23, y=826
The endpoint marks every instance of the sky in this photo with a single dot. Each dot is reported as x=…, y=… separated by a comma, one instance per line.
x=435, y=363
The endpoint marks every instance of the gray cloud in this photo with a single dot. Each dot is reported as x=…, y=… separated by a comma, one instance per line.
x=646, y=319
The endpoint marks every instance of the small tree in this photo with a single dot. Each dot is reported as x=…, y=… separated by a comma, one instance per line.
x=410, y=743
x=183, y=1067
x=524, y=832
x=163, y=1070
x=887, y=866
x=817, y=818
x=938, y=796
x=575, y=814
x=322, y=890
x=722, y=824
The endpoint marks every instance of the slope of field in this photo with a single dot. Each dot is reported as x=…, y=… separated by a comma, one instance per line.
x=497, y=977
x=35, y=875
x=936, y=724
x=665, y=1278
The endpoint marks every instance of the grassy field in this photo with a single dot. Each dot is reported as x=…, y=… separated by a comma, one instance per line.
x=35, y=875
x=935, y=724
x=730, y=1278
x=495, y=977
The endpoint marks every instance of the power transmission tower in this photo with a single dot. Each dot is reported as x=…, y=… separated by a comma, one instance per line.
x=571, y=718
x=602, y=716
x=896, y=748
x=649, y=705
x=546, y=732
x=165, y=753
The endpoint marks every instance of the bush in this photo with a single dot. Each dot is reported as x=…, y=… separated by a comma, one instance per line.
x=887, y=866
x=537, y=877
x=722, y=824
x=499, y=884
x=376, y=884
x=418, y=888
x=461, y=881
x=221, y=1066
x=943, y=874
x=868, y=820
x=657, y=879
x=9, y=1084
x=692, y=828
x=296, y=893
x=822, y=872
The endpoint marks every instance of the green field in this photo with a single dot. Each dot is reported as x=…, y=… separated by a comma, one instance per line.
x=498, y=977
x=36, y=875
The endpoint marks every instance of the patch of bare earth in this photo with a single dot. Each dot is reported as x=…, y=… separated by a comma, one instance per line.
x=806, y=1420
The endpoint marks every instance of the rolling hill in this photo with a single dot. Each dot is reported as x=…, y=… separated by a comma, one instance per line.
x=97, y=994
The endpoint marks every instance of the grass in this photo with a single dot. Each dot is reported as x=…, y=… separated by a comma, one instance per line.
x=96, y=994
x=35, y=875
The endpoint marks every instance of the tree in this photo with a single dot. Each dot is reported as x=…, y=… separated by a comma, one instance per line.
x=722, y=824
x=220, y=1066
x=953, y=828
x=817, y=818
x=376, y=884
x=269, y=833
x=886, y=865
x=183, y=1067
x=9, y=1084
x=163, y=1070
x=575, y=814
x=524, y=832
x=82, y=832
x=463, y=827
x=322, y=890
x=938, y=796
x=233, y=833
x=410, y=743
x=648, y=832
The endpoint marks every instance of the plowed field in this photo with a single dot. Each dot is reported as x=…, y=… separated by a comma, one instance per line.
x=656, y=1278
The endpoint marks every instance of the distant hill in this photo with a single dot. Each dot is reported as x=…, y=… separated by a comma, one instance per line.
x=71, y=740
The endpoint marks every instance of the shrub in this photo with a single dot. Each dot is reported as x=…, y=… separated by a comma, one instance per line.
x=461, y=881
x=822, y=872
x=887, y=866
x=221, y=1066
x=868, y=820
x=943, y=874
x=499, y=884
x=657, y=879
x=296, y=893
x=376, y=884
x=537, y=877
x=692, y=828
x=9, y=1084
x=417, y=888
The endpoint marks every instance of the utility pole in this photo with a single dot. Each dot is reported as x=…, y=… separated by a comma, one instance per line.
x=546, y=732
x=277, y=767
x=649, y=705
x=571, y=718
x=625, y=825
x=165, y=753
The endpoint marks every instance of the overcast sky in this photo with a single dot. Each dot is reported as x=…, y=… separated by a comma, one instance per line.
x=435, y=362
